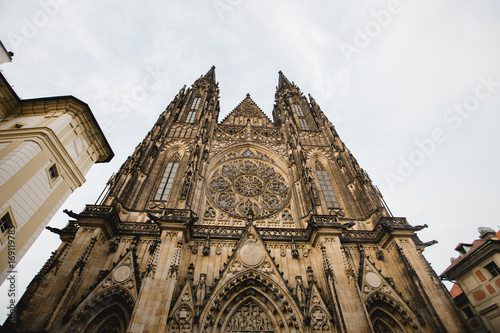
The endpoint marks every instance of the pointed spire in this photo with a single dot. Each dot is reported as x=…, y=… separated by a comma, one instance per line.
x=210, y=74
x=283, y=81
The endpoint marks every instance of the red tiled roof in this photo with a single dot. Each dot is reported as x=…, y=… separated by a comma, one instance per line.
x=456, y=291
x=475, y=245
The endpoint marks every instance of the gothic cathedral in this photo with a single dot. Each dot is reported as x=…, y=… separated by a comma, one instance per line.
x=244, y=225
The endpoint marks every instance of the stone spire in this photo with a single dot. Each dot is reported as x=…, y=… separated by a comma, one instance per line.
x=283, y=81
x=210, y=76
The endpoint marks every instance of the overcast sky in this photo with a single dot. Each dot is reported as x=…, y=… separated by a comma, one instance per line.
x=413, y=88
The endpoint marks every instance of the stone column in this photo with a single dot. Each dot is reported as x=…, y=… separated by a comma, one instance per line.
x=351, y=306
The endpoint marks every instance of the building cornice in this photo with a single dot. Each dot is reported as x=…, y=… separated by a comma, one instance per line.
x=465, y=264
x=78, y=109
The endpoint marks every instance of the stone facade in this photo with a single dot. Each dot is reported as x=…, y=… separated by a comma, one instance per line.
x=47, y=145
x=243, y=225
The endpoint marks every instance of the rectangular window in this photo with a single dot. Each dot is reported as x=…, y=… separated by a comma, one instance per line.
x=196, y=103
x=493, y=269
x=190, y=117
x=326, y=188
x=53, y=173
x=468, y=312
x=166, y=181
x=298, y=109
x=303, y=124
x=5, y=223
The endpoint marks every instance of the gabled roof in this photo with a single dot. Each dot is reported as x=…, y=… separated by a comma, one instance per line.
x=247, y=109
x=476, y=245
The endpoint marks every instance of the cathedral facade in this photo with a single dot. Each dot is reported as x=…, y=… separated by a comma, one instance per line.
x=244, y=225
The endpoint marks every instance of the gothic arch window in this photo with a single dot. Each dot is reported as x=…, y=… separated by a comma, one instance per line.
x=167, y=179
x=301, y=115
x=326, y=186
x=191, y=116
x=298, y=109
x=196, y=103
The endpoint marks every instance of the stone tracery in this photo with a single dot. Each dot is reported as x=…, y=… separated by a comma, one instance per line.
x=248, y=180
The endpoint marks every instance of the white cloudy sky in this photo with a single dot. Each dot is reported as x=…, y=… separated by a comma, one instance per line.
x=399, y=86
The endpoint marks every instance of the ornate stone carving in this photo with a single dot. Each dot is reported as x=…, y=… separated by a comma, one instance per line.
x=319, y=321
x=249, y=317
x=242, y=184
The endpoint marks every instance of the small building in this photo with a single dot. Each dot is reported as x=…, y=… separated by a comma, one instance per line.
x=47, y=145
x=476, y=274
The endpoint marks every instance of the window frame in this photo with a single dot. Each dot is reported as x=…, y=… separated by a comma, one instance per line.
x=299, y=110
x=196, y=103
x=191, y=116
x=6, y=224
x=301, y=116
x=494, y=269
x=326, y=186
x=167, y=179
x=4, y=235
x=53, y=174
x=303, y=124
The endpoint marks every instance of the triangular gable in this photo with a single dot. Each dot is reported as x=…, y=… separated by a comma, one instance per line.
x=376, y=288
x=119, y=285
x=182, y=317
x=318, y=313
x=247, y=109
x=122, y=274
x=249, y=277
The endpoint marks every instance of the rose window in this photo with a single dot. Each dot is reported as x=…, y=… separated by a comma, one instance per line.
x=248, y=185
x=239, y=185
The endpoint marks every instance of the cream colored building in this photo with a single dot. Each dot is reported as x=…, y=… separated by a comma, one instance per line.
x=476, y=273
x=47, y=145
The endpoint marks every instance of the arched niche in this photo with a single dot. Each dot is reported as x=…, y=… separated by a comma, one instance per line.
x=251, y=287
x=389, y=314
x=113, y=304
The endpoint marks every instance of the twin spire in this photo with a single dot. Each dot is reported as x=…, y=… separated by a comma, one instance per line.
x=247, y=110
x=283, y=82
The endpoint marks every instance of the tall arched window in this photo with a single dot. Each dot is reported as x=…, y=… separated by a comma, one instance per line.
x=192, y=113
x=326, y=186
x=302, y=119
x=167, y=179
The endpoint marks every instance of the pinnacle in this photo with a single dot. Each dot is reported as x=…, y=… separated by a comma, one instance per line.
x=210, y=74
x=283, y=81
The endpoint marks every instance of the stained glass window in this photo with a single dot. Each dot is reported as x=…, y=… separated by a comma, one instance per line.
x=168, y=179
x=326, y=186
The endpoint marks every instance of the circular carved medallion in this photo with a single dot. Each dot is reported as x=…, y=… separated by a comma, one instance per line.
x=122, y=273
x=373, y=280
x=251, y=254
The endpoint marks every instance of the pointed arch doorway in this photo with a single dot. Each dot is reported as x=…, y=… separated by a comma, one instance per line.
x=251, y=302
